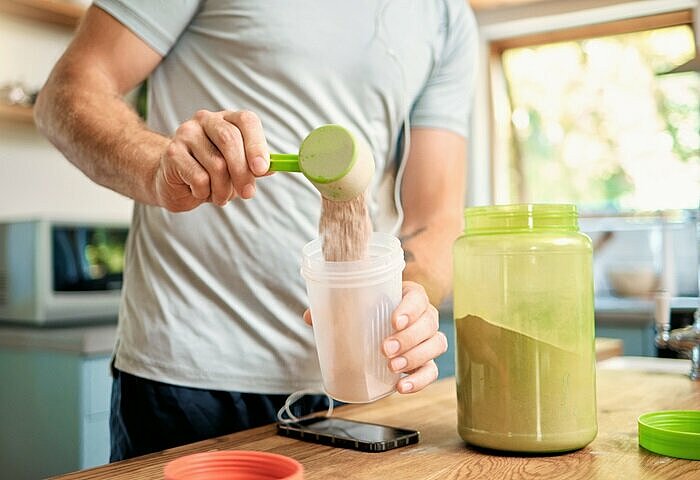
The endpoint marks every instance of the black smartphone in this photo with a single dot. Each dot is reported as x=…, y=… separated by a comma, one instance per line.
x=339, y=432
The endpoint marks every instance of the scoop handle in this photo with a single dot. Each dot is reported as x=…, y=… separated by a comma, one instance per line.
x=284, y=162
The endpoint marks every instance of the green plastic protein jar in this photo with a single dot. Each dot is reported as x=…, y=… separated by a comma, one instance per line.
x=523, y=310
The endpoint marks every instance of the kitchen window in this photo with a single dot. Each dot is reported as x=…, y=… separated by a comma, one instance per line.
x=586, y=116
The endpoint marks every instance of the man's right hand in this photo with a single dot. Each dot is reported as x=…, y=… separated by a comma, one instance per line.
x=213, y=157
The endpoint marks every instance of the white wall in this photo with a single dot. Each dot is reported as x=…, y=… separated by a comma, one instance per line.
x=35, y=179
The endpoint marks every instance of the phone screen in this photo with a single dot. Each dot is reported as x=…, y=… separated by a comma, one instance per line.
x=349, y=433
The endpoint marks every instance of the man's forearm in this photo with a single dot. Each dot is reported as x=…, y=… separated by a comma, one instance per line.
x=428, y=254
x=99, y=133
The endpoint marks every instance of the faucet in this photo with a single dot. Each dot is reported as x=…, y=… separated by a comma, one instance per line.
x=685, y=340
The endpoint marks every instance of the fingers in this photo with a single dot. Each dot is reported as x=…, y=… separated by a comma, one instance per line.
x=413, y=304
x=415, y=333
x=210, y=158
x=417, y=342
x=254, y=143
x=184, y=169
x=227, y=139
x=415, y=320
x=307, y=316
x=418, y=379
x=215, y=156
x=420, y=355
x=232, y=149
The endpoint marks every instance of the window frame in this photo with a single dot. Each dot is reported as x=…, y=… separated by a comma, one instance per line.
x=489, y=179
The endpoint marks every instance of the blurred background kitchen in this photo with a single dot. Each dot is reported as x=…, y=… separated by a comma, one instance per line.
x=581, y=101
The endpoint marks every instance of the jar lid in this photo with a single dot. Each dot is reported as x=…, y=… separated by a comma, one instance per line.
x=674, y=433
x=520, y=218
x=216, y=465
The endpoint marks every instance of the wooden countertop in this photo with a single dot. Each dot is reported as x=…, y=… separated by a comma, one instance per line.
x=441, y=454
x=608, y=348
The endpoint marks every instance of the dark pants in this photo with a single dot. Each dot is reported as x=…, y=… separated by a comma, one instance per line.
x=150, y=416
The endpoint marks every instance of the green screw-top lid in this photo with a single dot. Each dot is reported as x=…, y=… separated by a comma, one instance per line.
x=674, y=433
x=520, y=218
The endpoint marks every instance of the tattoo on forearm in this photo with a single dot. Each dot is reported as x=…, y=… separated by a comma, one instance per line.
x=413, y=234
x=408, y=254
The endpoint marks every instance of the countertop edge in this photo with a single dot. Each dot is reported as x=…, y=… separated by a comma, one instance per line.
x=83, y=340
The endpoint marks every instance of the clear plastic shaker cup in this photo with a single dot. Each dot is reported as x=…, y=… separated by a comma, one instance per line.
x=351, y=305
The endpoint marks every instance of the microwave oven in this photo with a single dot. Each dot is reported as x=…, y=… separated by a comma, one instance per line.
x=55, y=272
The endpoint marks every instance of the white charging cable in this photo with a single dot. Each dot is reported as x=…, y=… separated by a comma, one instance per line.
x=379, y=28
x=295, y=397
x=396, y=231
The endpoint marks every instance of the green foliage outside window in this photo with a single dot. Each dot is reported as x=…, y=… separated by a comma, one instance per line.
x=595, y=124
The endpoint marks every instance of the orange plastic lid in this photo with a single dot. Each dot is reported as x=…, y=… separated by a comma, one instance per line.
x=234, y=464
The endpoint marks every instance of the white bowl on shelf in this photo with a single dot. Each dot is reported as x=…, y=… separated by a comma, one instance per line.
x=633, y=280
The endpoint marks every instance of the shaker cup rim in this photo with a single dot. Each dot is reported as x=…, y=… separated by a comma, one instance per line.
x=388, y=256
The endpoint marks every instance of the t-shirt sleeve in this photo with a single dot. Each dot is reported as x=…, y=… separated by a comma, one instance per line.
x=446, y=99
x=159, y=23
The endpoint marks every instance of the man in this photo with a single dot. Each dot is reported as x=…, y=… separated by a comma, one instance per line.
x=210, y=339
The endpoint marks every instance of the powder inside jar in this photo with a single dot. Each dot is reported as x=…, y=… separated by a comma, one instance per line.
x=518, y=393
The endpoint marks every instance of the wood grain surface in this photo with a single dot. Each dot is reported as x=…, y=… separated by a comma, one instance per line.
x=441, y=454
x=608, y=348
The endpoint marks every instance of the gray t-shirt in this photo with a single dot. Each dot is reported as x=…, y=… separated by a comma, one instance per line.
x=213, y=297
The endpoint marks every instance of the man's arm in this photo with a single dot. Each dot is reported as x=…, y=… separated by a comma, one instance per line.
x=81, y=110
x=211, y=158
x=433, y=198
x=433, y=195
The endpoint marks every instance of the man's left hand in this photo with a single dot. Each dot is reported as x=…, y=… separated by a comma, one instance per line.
x=416, y=343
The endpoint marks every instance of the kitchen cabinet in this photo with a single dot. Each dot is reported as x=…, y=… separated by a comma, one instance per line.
x=441, y=454
x=54, y=399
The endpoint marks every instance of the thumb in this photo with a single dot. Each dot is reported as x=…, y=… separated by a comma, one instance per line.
x=307, y=316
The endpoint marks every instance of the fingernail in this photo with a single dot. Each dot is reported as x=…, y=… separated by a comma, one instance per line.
x=391, y=347
x=401, y=321
x=248, y=191
x=398, y=363
x=260, y=166
x=405, y=387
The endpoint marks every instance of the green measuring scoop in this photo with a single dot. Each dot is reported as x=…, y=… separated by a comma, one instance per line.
x=338, y=164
